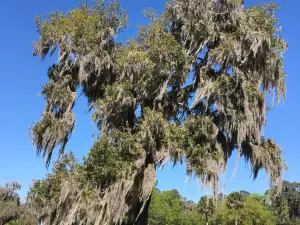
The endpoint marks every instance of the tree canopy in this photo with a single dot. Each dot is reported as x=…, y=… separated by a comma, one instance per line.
x=190, y=87
x=287, y=205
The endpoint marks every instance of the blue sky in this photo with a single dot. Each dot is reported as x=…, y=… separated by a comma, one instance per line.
x=22, y=75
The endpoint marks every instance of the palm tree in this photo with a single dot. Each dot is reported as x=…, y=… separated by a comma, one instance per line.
x=235, y=201
x=206, y=207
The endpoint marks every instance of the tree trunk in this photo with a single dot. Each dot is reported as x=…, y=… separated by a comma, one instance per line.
x=128, y=198
x=236, y=218
x=206, y=218
x=143, y=185
x=143, y=218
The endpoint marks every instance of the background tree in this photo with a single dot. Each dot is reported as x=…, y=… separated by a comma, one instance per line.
x=191, y=217
x=256, y=212
x=206, y=206
x=11, y=210
x=282, y=212
x=253, y=213
x=165, y=208
x=235, y=201
x=9, y=203
x=245, y=193
x=169, y=208
x=264, y=199
x=189, y=87
x=287, y=205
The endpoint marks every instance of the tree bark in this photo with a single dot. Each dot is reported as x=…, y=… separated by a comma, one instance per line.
x=143, y=218
x=206, y=218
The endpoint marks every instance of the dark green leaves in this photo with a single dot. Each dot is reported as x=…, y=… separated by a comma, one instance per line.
x=111, y=159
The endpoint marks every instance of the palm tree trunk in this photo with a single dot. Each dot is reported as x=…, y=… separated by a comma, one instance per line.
x=236, y=218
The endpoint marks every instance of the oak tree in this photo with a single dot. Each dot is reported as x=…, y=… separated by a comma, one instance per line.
x=190, y=87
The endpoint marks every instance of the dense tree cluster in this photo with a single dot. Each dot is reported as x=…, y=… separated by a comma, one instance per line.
x=169, y=208
x=253, y=212
x=190, y=87
x=166, y=208
x=287, y=205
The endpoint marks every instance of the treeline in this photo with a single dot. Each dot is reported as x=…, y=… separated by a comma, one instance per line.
x=170, y=208
x=243, y=208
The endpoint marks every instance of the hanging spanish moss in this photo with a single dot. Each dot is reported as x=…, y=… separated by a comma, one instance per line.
x=191, y=88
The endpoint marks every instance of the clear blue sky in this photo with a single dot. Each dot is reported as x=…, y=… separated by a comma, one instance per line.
x=21, y=77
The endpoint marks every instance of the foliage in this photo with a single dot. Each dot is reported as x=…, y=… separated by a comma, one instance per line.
x=264, y=199
x=9, y=202
x=190, y=217
x=26, y=219
x=190, y=87
x=165, y=208
x=287, y=205
x=252, y=213
x=245, y=193
x=110, y=159
x=235, y=200
x=47, y=191
x=12, y=212
x=168, y=207
x=206, y=206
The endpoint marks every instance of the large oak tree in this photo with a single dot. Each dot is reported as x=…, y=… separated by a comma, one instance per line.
x=190, y=87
